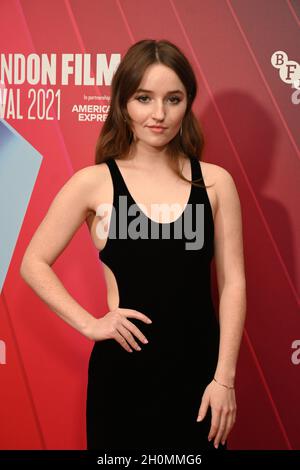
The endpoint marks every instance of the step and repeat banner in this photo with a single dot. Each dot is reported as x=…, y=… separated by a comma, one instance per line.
x=57, y=60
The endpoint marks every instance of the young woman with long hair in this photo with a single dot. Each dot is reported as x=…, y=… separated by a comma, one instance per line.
x=162, y=369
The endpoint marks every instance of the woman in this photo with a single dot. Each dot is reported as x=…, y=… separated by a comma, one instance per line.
x=161, y=373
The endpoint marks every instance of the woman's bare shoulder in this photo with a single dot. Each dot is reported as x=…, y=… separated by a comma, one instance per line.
x=214, y=174
x=221, y=183
x=93, y=181
x=224, y=185
x=92, y=173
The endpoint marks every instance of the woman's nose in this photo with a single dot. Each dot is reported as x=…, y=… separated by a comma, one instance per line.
x=158, y=110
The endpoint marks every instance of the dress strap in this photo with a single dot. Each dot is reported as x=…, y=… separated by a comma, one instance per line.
x=196, y=168
x=119, y=184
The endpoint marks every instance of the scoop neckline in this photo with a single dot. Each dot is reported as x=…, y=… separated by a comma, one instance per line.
x=141, y=210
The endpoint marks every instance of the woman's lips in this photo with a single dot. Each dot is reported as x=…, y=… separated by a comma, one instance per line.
x=157, y=129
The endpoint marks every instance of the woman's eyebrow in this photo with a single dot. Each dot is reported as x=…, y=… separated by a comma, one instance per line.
x=150, y=91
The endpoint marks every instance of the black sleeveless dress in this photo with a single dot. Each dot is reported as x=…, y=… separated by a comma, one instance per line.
x=149, y=399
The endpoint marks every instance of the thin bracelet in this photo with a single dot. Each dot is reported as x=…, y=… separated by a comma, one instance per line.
x=223, y=385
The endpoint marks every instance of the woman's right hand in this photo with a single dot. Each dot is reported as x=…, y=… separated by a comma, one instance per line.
x=115, y=325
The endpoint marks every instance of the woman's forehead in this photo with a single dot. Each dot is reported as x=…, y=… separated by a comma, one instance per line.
x=160, y=77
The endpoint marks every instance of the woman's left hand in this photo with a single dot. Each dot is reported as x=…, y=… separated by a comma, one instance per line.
x=223, y=409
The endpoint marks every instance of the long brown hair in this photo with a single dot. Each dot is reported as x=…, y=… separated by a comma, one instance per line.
x=116, y=135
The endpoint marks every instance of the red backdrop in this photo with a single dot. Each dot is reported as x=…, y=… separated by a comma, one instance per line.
x=250, y=116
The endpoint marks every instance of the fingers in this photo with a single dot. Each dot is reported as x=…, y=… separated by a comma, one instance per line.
x=134, y=329
x=215, y=422
x=128, y=337
x=125, y=329
x=221, y=428
x=135, y=314
x=122, y=341
x=229, y=426
x=203, y=409
x=221, y=425
x=123, y=334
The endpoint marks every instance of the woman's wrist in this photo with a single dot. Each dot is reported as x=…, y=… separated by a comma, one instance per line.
x=228, y=386
x=225, y=374
x=88, y=327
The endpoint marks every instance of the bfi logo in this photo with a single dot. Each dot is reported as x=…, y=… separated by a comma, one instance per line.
x=2, y=352
x=289, y=72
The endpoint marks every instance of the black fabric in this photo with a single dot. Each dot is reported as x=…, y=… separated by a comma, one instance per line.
x=150, y=398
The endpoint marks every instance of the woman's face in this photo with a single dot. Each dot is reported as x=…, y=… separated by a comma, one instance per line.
x=159, y=101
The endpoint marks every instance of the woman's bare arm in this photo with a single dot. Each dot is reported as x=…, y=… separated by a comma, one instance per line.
x=229, y=260
x=66, y=214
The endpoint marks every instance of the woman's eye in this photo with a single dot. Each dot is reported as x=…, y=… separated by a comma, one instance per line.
x=176, y=98
x=141, y=98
